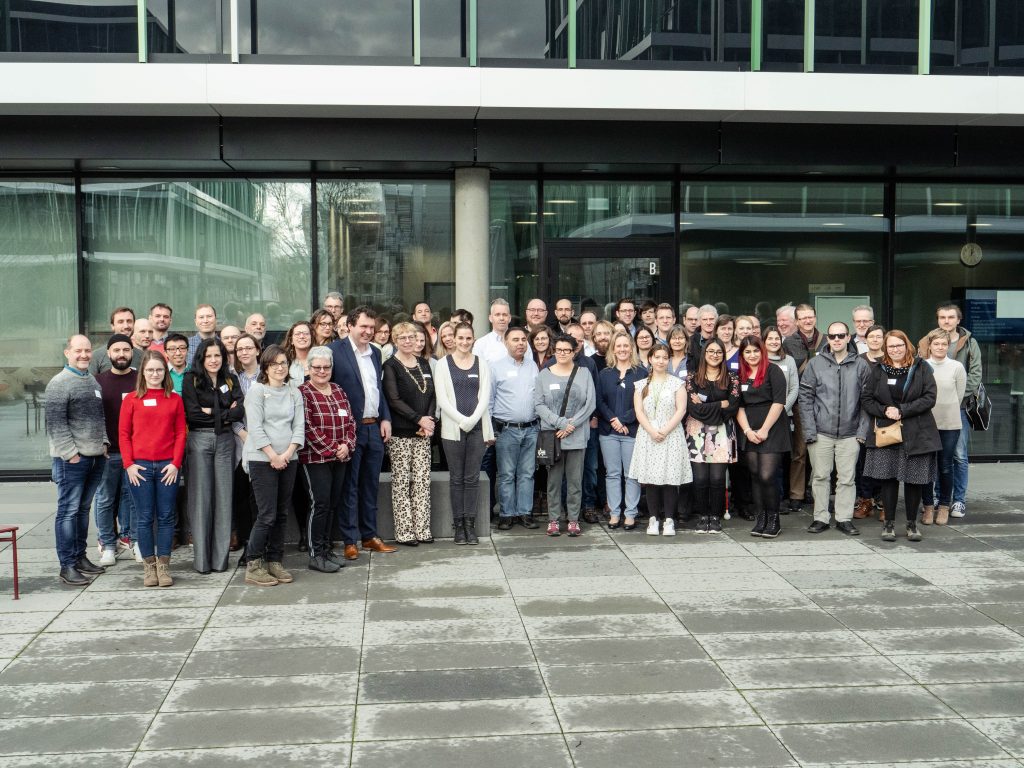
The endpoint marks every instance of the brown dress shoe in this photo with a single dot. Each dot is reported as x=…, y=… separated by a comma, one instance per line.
x=863, y=509
x=234, y=546
x=351, y=552
x=376, y=545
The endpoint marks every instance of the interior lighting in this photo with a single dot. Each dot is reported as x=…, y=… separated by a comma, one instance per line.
x=716, y=213
x=948, y=205
x=758, y=202
x=561, y=202
x=832, y=224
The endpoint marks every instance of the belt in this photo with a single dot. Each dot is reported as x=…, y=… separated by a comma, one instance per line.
x=369, y=421
x=516, y=424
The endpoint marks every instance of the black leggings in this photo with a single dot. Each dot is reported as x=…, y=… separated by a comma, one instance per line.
x=662, y=500
x=911, y=499
x=708, y=488
x=762, y=468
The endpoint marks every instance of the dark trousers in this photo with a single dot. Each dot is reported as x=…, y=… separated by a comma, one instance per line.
x=243, y=505
x=359, y=507
x=662, y=500
x=326, y=484
x=708, y=488
x=273, y=491
x=464, y=457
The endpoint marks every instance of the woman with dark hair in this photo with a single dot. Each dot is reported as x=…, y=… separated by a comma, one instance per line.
x=151, y=430
x=679, y=352
x=322, y=323
x=725, y=332
x=901, y=389
x=540, y=346
x=644, y=344
x=382, y=337
x=714, y=396
x=764, y=436
x=213, y=403
x=875, y=339
x=868, y=498
x=297, y=343
x=247, y=368
x=276, y=423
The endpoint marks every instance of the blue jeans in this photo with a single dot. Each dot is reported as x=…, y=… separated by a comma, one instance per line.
x=113, y=493
x=590, y=471
x=516, y=451
x=617, y=451
x=960, y=459
x=943, y=488
x=76, y=485
x=157, y=502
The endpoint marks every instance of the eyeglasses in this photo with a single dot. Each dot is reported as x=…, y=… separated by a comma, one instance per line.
x=325, y=323
x=300, y=334
x=238, y=349
x=562, y=351
x=320, y=368
x=836, y=336
x=714, y=352
x=278, y=364
x=172, y=350
x=901, y=345
x=406, y=337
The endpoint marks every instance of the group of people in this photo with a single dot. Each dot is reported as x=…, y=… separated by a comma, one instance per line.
x=215, y=439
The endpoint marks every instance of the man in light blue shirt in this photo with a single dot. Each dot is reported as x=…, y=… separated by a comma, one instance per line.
x=515, y=428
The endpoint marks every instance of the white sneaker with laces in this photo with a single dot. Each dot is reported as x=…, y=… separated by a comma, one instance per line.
x=959, y=509
x=652, y=526
x=107, y=557
x=669, y=529
x=136, y=552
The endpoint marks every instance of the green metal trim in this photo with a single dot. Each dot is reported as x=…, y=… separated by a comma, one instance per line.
x=141, y=26
x=756, y=34
x=416, y=32
x=808, y=35
x=471, y=23
x=924, y=38
x=571, y=5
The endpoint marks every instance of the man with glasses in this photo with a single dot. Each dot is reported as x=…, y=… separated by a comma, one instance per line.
x=335, y=304
x=625, y=313
x=830, y=402
x=536, y=315
x=863, y=319
x=563, y=315
x=802, y=346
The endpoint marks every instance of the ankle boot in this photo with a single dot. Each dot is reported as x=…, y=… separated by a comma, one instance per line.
x=928, y=514
x=760, y=522
x=256, y=574
x=469, y=523
x=941, y=515
x=773, y=525
x=149, y=577
x=163, y=572
x=460, y=530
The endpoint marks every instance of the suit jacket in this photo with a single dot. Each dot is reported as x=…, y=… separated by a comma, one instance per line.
x=347, y=376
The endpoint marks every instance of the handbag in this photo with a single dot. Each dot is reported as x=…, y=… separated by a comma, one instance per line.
x=549, y=447
x=978, y=408
x=890, y=435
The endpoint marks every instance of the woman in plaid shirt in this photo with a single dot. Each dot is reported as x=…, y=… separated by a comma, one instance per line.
x=330, y=440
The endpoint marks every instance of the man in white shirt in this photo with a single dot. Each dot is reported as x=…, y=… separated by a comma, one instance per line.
x=491, y=347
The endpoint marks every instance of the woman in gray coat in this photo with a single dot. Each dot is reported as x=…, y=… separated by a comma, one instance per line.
x=573, y=429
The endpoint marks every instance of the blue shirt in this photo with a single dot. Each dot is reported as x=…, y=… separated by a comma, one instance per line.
x=512, y=387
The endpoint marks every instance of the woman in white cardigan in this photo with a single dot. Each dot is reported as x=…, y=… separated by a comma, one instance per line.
x=463, y=385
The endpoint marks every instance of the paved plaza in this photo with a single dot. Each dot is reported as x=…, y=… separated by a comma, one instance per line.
x=615, y=650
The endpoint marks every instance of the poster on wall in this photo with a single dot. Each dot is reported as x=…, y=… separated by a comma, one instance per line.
x=994, y=315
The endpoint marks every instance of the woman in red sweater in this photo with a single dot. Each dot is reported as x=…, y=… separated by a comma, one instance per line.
x=152, y=432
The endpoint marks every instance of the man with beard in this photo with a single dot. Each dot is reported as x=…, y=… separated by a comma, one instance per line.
x=122, y=320
x=160, y=320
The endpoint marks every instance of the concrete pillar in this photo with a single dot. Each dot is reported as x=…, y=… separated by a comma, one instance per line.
x=472, y=244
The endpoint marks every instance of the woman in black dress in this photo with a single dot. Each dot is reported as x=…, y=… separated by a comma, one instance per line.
x=764, y=437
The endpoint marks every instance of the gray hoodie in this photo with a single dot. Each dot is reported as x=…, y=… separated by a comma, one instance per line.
x=831, y=392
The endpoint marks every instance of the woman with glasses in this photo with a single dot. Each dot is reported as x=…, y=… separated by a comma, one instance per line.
x=276, y=424
x=901, y=389
x=324, y=459
x=409, y=388
x=247, y=369
x=572, y=429
x=679, y=357
x=644, y=344
x=382, y=338
x=297, y=343
x=151, y=430
x=540, y=346
x=322, y=323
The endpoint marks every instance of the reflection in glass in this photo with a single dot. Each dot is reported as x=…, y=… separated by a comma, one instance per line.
x=596, y=284
x=866, y=33
x=783, y=32
x=608, y=209
x=241, y=246
x=513, y=236
x=528, y=29
x=933, y=223
x=442, y=28
x=98, y=26
x=38, y=309
x=334, y=27
x=388, y=244
x=188, y=26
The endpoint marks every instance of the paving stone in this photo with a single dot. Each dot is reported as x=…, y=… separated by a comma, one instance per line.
x=961, y=668
x=543, y=628
x=768, y=620
x=130, y=579
x=284, y=615
x=240, y=728
x=427, y=656
x=439, y=572
x=744, y=747
x=892, y=579
x=320, y=690
x=809, y=673
x=12, y=645
x=578, y=585
x=761, y=581
x=976, y=700
x=468, y=630
x=450, y=685
x=275, y=662
x=290, y=756
x=987, y=593
x=848, y=705
x=952, y=640
x=837, y=544
x=453, y=719
x=742, y=564
x=1011, y=614
x=952, y=576
x=681, y=602
x=612, y=650
x=636, y=677
x=154, y=618
x=32, y=601
x=147, y=598
x=912, y=617
x=65, y=699
x=881, y=598
x=875, y=742
x=590, y=605
x=438, y=589
x=29, y=670
x=312, y=635
x=762, y=645
x=867, y=561
x=80, y=760
x=1007, y=732
x=113, y=642
x=328, y=588
x=440, y=608
x=701, y=709
x=25, y=623
x=520, y=751
x=683, y=546
x=920, y=562
x=38, y=735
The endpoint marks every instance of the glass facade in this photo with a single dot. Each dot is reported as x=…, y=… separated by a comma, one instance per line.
x=783, y=25
x=344, y=28
x=603, y=209
x=869, y=33
x=188, y=26
x=45, y=26
x=977, y=33
x=528, y=29
x=514, y=249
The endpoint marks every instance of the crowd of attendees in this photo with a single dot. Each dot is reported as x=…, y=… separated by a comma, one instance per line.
x=214, y=439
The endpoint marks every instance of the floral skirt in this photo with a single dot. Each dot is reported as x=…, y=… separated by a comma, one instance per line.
x=710, y=445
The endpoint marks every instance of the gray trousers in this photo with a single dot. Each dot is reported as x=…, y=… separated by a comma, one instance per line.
x=842, y=453
x=211, y=466
x=571, y=466
x=464, y=457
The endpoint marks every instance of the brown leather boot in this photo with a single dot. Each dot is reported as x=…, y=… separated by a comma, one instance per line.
x=928, y=515
x=163, y=572
x=149, y=577
x=863, y=509
x=942, y=515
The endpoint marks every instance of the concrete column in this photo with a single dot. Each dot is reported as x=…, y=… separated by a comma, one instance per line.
x=472, y=244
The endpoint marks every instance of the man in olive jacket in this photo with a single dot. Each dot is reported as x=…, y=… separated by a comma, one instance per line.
x=830, y=390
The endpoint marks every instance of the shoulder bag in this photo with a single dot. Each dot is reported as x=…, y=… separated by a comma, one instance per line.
x=893, y=434
x=977, y=407
x=549, y=447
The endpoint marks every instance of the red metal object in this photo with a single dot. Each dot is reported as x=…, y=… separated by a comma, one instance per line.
x=10, y=533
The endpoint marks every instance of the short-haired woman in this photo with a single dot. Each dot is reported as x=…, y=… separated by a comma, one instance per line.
x=382, y=337
x=151, y=430
x=276, y=424
x=950, y=385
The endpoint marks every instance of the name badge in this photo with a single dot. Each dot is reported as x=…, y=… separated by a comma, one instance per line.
x=472, y=376
x=554, y=386
x=98, y=393
x=702, y=398
x=734, y=366
x=743, y=387
x=891, y=382
x=224, y=388
x=512, y=375
x=149, y=403
x=426, y=375
x=342, y=412
x=622, y=385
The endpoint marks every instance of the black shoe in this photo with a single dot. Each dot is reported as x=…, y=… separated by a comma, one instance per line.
x=426, y=541
x=912, y=533
x=773, y=526
x=714, y=524
x=617, y=524
x=71, y=576
x=460, y=532
x=322, y=564
x=303, y=546
x=84, y=565
x=471, y=537
x=848, y=528
x=794, y=507
x=590, y=516
x=411, y=543
x=760, y=521
x=888, y=534
x=817, y=527
x=526, y=521
x=505, y=524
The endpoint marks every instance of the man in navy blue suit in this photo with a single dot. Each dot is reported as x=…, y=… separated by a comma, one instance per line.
x=357, y=370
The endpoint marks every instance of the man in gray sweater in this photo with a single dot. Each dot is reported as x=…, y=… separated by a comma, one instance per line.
x=78, y=442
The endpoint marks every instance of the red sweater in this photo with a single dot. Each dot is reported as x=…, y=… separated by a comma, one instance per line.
x=152, y=428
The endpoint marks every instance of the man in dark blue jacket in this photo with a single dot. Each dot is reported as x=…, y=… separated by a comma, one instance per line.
x=357, y=370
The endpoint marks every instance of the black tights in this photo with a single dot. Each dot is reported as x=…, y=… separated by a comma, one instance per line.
x=708, y=488
x=911, y=499
x=762, y=468
x=662, y=500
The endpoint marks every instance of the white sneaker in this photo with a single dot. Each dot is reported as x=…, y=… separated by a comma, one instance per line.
x=652, y=526
x=136, y=552
x=959, y=509
x=669, y=529
x=108, y=557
